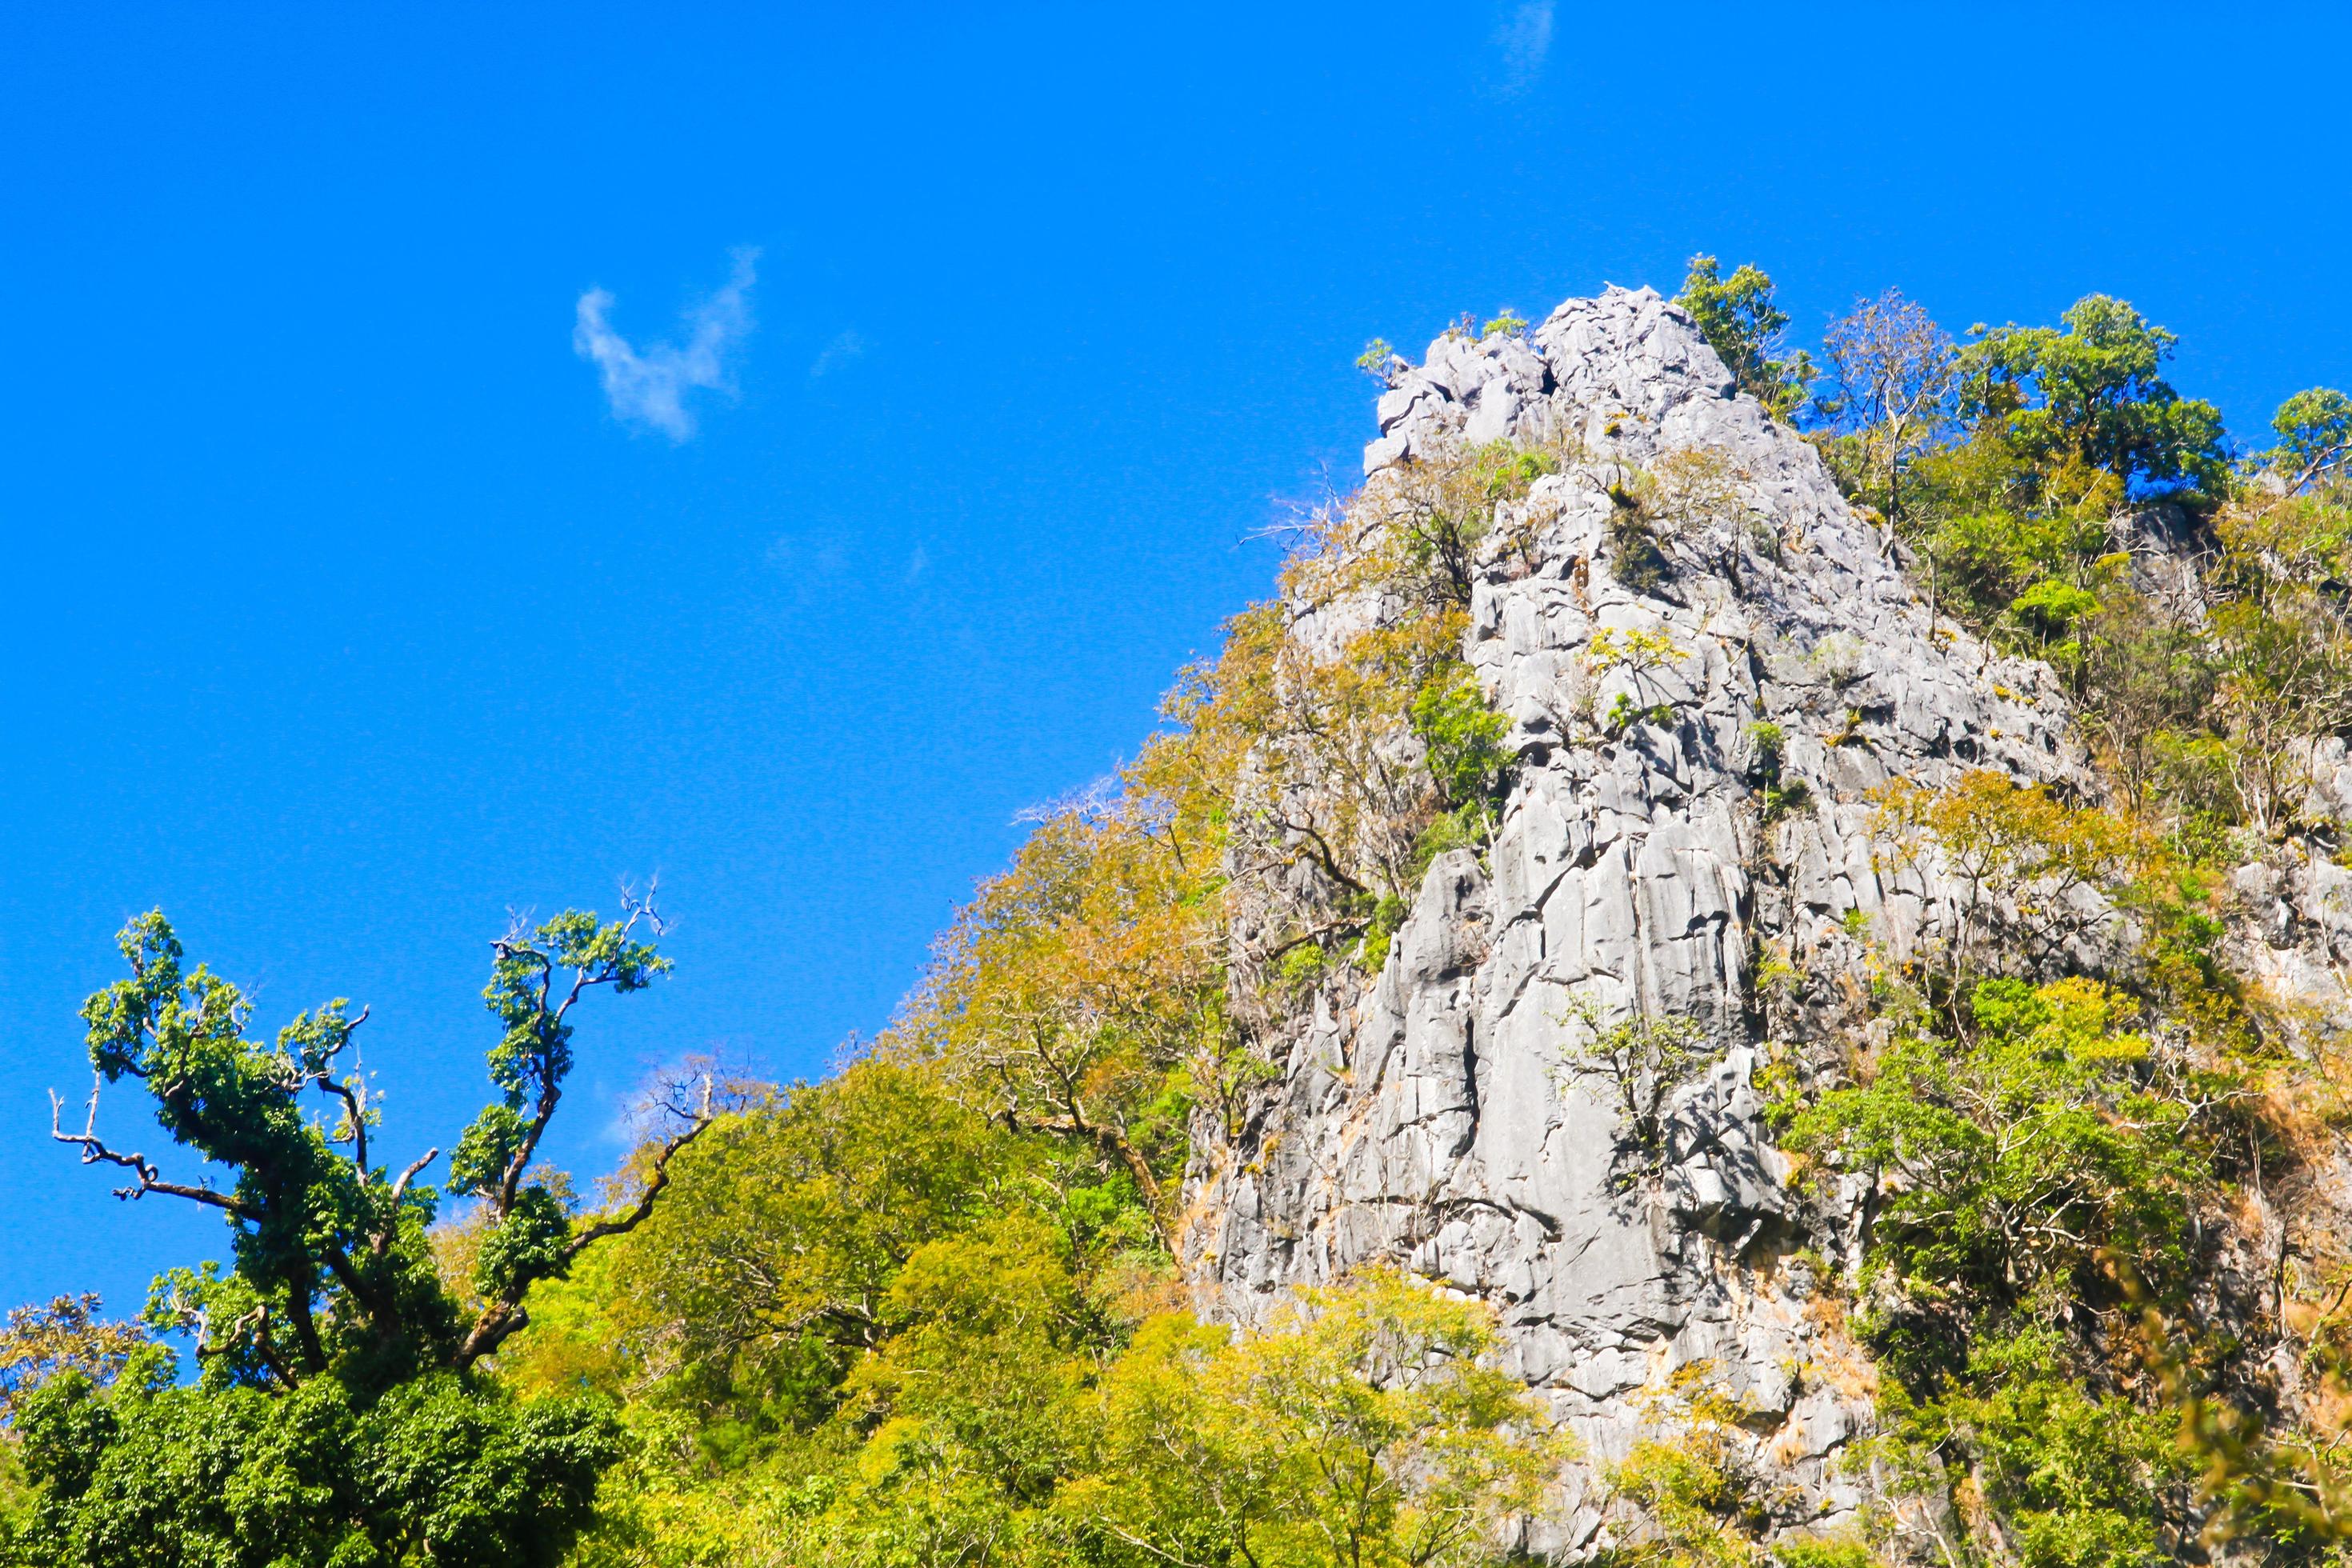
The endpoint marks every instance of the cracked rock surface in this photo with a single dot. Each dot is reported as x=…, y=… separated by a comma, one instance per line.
x=1436, y=1116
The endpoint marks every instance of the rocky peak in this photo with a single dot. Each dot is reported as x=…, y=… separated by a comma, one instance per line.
x=1439, y=1115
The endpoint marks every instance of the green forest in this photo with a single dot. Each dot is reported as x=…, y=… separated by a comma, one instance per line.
x=931, y=1310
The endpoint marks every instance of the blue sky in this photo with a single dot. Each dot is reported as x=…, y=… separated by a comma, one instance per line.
x=346, y=614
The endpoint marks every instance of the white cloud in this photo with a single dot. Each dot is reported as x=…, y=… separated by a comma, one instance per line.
x=845, y=346
x=650, y=386
x=1525, y=38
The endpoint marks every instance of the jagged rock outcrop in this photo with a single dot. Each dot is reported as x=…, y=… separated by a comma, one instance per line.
x=1437, y=1115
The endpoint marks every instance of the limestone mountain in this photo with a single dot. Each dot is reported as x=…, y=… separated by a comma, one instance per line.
x=1710, y=864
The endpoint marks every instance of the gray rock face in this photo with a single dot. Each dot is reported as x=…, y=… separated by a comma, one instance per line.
x=1440, y=1115
x=2291, y=930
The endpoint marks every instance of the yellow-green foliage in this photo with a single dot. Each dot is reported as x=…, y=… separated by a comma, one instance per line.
x=887, y=1317
x=1361, y=1425
x=2022, y=860
x=925, y=1313
x=1687, y=1498
x=1082, y=992
x=1301, y=751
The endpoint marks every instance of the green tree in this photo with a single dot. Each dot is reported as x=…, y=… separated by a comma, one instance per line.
x=768, y=1270
x=1639, y=1063
x=2085, y=398
x=2314, y=432
x=1359, y=1428
x=1465, y=737
x=1743, y=324
x=2063, y=1472
x=338, y=1417
x=437, y=1469
x=2011, y=1156
x=2033, y=1172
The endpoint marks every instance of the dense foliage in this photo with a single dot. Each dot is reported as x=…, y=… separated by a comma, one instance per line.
x=928, y=1309
x=338, y=1413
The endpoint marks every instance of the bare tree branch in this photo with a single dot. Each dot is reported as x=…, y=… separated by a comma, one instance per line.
x=638, y=1211
x=95, y=1152
x=410, y=1174
x=1322, y=854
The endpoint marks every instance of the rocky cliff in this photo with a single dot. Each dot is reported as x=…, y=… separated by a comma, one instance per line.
x=1445, y=1114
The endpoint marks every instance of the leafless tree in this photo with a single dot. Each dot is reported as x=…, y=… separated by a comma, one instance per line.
x=1892, y=372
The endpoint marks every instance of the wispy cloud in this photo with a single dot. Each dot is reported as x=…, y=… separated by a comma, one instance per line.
x=845, y=347
x=1525, y=38
x=650, y=386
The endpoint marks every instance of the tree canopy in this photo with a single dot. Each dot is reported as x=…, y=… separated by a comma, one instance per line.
x=1743, y=323
x=339, y=1414
x=2087, y=397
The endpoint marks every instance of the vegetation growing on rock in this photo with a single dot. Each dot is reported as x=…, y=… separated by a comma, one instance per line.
x=2049, y=1150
